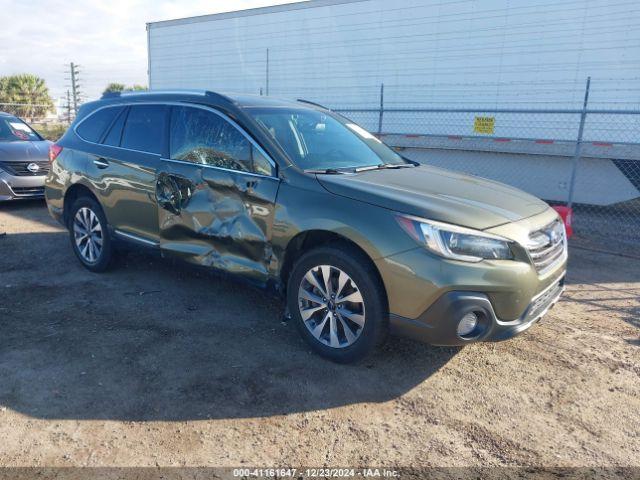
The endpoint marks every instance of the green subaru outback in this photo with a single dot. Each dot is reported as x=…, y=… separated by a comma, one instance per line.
x=288, y=195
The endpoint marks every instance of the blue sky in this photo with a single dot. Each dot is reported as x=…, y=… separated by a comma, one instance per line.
x=106, y=37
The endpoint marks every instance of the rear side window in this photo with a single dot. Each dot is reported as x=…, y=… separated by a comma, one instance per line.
x=144, y=128
x=115, y=133
x=202, y=137
x=93, y=127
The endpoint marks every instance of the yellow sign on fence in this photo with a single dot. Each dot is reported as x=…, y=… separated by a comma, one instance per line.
x=484, y=125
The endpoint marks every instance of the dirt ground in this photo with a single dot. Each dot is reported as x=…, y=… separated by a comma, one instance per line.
x=156, y=363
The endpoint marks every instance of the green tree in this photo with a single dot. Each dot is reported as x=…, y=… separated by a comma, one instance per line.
x=121, y=87
x=114, y=87
x=27, y=96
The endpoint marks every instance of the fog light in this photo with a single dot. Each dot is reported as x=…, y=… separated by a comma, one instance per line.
x=468, y=324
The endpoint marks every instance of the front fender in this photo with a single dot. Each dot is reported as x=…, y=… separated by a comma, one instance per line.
x=372, y=228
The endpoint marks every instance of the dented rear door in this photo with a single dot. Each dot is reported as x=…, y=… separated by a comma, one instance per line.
x=216, y=195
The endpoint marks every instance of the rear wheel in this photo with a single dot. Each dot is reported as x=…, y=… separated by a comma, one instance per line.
x=337, y=302
x=89, y=234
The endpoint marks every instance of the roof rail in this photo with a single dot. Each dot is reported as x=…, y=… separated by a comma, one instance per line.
x=207, y=93
x=302, y=100
x=219, y=97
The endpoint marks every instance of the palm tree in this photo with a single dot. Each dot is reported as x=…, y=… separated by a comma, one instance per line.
x=26, y=94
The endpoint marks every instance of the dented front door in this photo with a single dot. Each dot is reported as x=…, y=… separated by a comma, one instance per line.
x=212, y=215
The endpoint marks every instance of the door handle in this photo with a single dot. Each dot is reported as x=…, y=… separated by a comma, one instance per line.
x=101, y=163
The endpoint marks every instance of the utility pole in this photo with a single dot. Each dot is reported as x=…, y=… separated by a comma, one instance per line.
x=267, y=72
x=68, y=107
x=578, y=151
x=75, y=87
x=380, y=117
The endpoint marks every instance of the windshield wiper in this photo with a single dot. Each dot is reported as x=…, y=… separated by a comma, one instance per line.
x=327, y=171
x=367, y=168
x=399, y=165
x=343, y=171
x=384, y=166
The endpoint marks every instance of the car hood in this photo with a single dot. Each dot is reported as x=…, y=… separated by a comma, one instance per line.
x=437, y=194
x=24, y=151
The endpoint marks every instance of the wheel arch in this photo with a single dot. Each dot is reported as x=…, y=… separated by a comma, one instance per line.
x=72, y=193
x=311, y=239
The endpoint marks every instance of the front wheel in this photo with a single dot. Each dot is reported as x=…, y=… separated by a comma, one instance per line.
x=337, y=302
x=89, y=234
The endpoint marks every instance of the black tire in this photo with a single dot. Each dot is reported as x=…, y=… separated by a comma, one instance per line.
x=105, y=257
x=357, y=266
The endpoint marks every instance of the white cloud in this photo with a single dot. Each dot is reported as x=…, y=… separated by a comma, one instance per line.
x=107, y=38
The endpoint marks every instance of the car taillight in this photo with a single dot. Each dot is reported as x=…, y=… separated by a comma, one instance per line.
x=54, y=151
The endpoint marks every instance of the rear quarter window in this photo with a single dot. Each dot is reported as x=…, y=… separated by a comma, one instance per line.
x=115, y=132
x=93, y=127
x=144, y=129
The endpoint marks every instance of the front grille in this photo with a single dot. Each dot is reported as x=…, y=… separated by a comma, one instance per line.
x=21, y=169
x=547, y=246
x=543, y=301
x=28, y=191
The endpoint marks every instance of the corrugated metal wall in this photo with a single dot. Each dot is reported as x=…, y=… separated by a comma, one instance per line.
x=428, y=53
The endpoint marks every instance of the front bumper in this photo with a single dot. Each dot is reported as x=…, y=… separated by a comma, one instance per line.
x=438, y=324
x=20, y=187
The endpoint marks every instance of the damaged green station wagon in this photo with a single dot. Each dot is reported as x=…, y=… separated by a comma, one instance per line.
x=289, y=195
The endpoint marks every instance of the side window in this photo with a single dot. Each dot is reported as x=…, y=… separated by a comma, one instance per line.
x=115, y=132
x=144, y=128
x=202, y=137
x=93, y=127
x=260, y=164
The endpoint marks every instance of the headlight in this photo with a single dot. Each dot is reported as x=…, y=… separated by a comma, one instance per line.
x=455, y=242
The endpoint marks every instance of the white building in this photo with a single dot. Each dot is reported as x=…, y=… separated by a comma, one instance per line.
x=472, y=54
x=427, y=52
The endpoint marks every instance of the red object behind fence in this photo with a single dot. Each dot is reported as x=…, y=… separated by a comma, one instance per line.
x=566, y=213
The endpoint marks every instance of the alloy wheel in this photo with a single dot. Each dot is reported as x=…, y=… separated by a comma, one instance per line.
x=87, y=233
x=331, y=306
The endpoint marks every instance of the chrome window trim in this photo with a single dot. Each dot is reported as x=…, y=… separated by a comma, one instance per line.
x=273, y=164
x=183, y=162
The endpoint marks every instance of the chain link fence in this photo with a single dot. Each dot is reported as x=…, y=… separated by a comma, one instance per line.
x=585, y=158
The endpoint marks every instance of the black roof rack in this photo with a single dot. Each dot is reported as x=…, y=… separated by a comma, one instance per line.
x=302, y=100
x=219, y=97
x=207, y=93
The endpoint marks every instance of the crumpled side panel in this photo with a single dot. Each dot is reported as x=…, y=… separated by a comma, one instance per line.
x=224, y=223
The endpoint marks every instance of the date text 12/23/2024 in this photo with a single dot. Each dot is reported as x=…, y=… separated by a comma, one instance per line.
x=315, y=473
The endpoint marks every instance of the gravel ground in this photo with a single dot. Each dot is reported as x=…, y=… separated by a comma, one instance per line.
x=156, y=363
